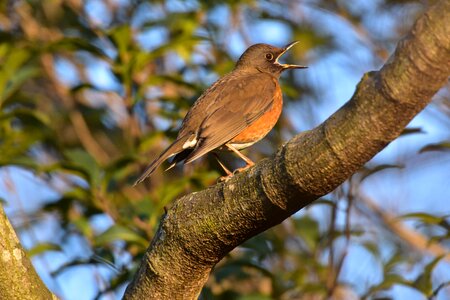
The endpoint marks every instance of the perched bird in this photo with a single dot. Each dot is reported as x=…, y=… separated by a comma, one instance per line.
x=237, y=111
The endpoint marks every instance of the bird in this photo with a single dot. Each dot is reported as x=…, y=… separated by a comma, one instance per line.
x=235, y=112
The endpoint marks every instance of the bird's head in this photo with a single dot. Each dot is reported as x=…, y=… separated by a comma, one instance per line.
x=264, y=58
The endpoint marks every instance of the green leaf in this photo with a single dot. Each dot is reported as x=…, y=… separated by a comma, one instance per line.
x=372, y=247
x=32, y=117
x=120, y=168
x=9, y=70
x=392, y=279
x=388, y=281
x=424, y=218
x=442, y=146
x=424, y=281
x=69, y=168
x=81, y=159
x=119, y=232
x=43, y=247
x=83, y=86
x=73, y=263
x=168, y=192
x=121, y=36
x=411, y=130
x=395, y=259
x=439, y=288
x=16, y=81
x=323, y=201
x=76, y=44
x=237, y=268
x=83, y=225
x=370, y=171
x=308, y=229
x=21, y=161
x=260, y=247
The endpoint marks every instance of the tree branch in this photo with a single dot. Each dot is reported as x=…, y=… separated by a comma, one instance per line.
x=201, y=228
x=18, y=279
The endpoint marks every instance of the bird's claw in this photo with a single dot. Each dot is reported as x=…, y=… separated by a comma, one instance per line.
x=224, y=178
x=231, y=174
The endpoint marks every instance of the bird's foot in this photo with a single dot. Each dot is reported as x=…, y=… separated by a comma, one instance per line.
x=229, y=174
x=224, y=178
x=239, y=170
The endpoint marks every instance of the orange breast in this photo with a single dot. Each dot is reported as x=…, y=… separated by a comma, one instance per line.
x=262, y=126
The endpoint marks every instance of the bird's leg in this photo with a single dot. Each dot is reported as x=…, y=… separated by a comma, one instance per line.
x=222, y=165
x=248, y=161
x=229, y=173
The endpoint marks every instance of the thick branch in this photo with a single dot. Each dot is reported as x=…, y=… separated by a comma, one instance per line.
x=18, y=279
x=203, y=227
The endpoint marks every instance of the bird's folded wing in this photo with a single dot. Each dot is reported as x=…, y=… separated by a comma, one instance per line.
x=241, y=102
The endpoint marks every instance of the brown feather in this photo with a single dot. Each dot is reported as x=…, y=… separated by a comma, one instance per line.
x=242, y=102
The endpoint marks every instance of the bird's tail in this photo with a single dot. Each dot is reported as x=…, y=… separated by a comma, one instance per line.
x=175, y=148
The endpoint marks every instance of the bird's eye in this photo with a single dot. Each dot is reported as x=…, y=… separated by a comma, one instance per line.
x=269, y=56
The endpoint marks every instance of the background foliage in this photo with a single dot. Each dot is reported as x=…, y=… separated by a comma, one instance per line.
x=90, y=91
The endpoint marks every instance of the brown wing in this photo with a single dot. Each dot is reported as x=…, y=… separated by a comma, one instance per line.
x=240, y=102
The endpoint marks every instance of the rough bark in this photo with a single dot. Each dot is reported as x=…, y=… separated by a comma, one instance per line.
x=18, y=279
x=202, y=227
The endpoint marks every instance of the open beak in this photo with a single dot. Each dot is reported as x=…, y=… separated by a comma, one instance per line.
x=288, y=66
